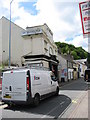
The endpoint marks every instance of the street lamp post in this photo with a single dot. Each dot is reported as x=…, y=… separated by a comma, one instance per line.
x=10, y=37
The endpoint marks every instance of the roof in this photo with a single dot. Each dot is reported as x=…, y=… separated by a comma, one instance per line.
x=67, y=57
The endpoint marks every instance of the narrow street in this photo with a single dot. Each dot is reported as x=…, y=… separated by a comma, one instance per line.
x=72, y=99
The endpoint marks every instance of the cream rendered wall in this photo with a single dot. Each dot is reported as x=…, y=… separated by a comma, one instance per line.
x=46, y=64
x=37, y=45
x=5, y=40
x=48, y=32
x=0, y=41
x=27, y=46
x=49, y=45
x=50, y=39
x=16, y=42
x=33, y=45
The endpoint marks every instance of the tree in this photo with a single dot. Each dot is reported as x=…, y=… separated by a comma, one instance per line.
x=77, y=52
x=74, y=54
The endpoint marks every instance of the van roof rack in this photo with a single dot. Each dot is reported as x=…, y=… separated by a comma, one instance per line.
x=28, y=67
x=37, y=67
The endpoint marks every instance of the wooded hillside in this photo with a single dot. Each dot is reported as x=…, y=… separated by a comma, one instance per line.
x=77, y=52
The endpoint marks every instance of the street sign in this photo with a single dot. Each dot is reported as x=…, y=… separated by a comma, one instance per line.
x=85, y=17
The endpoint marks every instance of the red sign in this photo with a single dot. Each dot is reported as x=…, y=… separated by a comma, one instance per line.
x=85, y=16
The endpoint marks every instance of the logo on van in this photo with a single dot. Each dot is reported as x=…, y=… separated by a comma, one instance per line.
x=36, y=78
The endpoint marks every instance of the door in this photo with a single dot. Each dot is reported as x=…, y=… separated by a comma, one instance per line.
x=14, y=85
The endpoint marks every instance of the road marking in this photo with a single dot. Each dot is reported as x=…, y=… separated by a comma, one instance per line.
x=74, y=101
x=53, y=109
x=3, y=106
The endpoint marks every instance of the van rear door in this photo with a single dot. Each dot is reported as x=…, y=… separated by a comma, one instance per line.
x=14, y=85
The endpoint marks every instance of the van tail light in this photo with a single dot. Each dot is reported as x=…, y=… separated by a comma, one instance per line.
x=27, y=83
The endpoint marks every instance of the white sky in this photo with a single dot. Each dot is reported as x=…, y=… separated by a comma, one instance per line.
x=62, y=17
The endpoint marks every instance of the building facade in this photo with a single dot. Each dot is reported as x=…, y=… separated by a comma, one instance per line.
x=62, y=68
x=43, y=49
x=82, y=66
x=32, y=46
x=65, y=67
x=17, y=42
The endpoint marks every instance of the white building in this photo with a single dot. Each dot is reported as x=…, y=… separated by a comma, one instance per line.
x=33, y=45
x=83, y=67
x=17, y=42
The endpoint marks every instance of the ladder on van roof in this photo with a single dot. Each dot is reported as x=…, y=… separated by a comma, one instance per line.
x=28, y=67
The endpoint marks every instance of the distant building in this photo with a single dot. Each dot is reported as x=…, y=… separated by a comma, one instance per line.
x=33, y=45
x=76, y=68
x=83, y=67
x=62, y=68
x=65, y=67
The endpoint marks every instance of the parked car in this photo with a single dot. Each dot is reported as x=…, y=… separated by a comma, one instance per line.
x=26, y=86
x=87, y=75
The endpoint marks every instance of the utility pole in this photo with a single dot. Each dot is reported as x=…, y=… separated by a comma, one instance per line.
x=10, y=37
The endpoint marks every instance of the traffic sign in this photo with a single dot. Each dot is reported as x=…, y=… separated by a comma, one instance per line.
x=85, y=17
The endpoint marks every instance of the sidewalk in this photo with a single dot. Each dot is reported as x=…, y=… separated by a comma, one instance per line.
x=78, y=109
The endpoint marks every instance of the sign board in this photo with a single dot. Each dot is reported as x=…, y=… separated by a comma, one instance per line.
x=63, y=73
x=85, y=16
x=32, y=32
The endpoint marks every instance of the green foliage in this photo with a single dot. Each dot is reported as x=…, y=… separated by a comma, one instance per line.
x=77, y=52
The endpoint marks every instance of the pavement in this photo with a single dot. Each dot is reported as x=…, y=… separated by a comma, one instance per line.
x=77, y=109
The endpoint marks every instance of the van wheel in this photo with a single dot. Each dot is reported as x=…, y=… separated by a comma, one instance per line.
x=36, y=100
x=57, y=91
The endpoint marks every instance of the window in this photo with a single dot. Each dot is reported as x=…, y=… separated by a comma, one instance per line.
x=45, y=44
x=51, y=51
x=53, y=76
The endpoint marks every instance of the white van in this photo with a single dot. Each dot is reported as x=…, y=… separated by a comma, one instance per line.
x=25, y=86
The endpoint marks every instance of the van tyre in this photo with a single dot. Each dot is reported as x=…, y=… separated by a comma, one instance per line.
x=57, y=91
x=36, y=100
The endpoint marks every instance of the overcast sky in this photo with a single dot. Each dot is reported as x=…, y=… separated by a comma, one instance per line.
x=62, y=17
